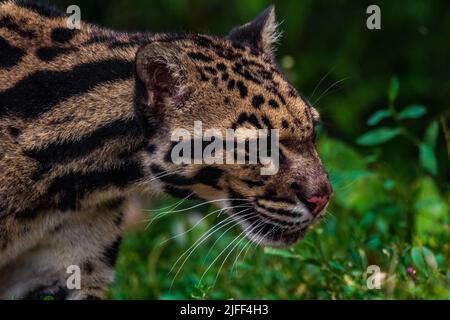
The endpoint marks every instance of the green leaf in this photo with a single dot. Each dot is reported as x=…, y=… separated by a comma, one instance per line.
x=378, y=136
x=430, y=258
x=394, y=87
x=428, y=159
x=378, y=116
x=281, y=253
x=431, y=134
x=417, y=258
x=412, y=112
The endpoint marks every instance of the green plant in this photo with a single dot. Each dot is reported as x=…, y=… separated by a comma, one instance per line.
x=426, y=146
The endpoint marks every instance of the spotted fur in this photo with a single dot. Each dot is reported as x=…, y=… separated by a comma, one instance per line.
x=85, y=122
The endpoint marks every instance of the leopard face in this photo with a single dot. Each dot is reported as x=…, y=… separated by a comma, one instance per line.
x=233, y=82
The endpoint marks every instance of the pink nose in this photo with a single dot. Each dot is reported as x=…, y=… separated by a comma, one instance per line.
x=316, y=203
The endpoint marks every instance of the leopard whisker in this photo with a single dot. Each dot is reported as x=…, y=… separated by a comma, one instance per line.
x=204, y=239
x=329, y=88
x=162, y=214
x=209, y=232
x=320, y=82
x=215, y=242
x=197, y=223
x=243, y=236
x=222, y=252
x=169, y=206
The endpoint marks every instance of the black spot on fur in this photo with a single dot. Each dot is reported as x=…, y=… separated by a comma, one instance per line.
x=210, y=70
x=225, y=76
x=292, y=92
x=245, y=118
x=63, y=151
x=50, y=53
x=13, y=131
x=280, y=96
x=227, y=54
x=271, y=195
x=9, y=57
x=231, y=84
x=42, y=90
x=253, y=183
x=226, y=100
x=63, y=35
x=221, y=67
x=203, y=76
x=242, y=89
x=273, y=104
x=257, y=101
x=209, y=176
x=111, y=252
x=203, y=41
x=266, y=74
x=245, y=73
x=285, y=124
x=267, y=122
x=199, y=56
x=8, y=22
x=66, y=192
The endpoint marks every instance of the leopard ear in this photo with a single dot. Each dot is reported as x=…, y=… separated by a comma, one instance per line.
x=261, y=32
x=161, y=75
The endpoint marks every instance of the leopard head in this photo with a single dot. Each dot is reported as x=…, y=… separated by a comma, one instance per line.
x=233, y=82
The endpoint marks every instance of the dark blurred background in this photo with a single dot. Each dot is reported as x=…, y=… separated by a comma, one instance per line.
x=384, y=98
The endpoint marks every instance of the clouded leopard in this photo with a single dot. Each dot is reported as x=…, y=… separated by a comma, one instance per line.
x=85, y=122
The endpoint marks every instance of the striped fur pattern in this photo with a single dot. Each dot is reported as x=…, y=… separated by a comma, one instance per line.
x=85, y=122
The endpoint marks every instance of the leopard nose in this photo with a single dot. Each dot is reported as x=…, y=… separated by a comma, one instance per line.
x=314, y=203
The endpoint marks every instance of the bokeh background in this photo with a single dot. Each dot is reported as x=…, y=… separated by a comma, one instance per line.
x=384, y=97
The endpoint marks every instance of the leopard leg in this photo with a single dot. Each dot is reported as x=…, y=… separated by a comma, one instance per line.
x=85, y=245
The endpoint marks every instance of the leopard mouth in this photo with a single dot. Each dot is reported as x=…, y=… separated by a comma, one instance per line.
x=270, y=223
x=271, y=233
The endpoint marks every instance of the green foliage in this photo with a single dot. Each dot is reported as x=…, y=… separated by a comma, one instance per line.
x=412, y=112
x=378, y=136
x=427, y=155
x=428, y=159
x=378, y=116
